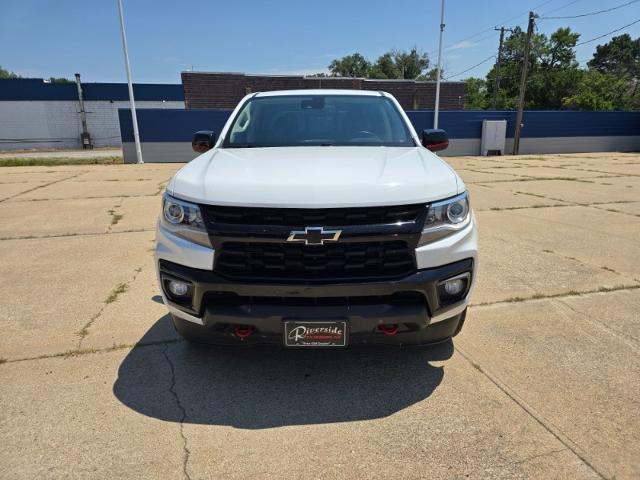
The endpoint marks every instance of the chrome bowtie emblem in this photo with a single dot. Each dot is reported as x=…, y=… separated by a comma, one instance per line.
x=314, y=236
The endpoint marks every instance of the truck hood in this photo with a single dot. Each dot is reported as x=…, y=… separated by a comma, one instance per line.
x=308, y=177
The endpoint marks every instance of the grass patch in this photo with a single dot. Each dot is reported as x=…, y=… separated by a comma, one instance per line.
x=116, y=292
x=49, y=162
x=115, y=217
x=3, y=360
x=537, y=205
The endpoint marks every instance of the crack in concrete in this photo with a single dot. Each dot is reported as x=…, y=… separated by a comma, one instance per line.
x=113, y=296
x=88, y=234
x=532, y=457
x=571, y=293
x=614, y=210
x=79, y=198
x=38, y=187
x=539, y=418
x=89, y=351
x=629, y=340
x=115, y=216
x=183, y=415
x=566, y=204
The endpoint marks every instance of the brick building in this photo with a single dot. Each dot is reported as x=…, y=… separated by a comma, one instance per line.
x=225, y=90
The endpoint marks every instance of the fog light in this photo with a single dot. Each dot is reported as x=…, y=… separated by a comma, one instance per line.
x=454, y=286
x=178, y=288
x=453, y=289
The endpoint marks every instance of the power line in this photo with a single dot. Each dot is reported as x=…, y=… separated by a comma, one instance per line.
x=471, y=68
x=591, y=13
x=480, y=32
x=453, y=46
x=561, y=7
x=607, y=34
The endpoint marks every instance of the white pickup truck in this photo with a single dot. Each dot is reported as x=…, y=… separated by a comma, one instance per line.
x=317, y=218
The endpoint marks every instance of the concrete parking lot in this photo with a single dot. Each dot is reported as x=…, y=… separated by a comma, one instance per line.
x=543, y=381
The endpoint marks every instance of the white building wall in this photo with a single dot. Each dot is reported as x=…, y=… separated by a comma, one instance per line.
x=56, y=123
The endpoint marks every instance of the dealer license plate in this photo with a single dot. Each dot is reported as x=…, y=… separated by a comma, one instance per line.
x=299, y=333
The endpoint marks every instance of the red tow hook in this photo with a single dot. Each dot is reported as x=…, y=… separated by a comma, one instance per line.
x=243, y=331
x=389, y=328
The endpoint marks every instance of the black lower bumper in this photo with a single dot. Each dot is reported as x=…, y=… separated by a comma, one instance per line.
x=406, y=303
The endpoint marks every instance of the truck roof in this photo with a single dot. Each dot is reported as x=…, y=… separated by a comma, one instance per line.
x=321, y=91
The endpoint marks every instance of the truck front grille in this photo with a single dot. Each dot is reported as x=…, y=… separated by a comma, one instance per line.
x=342, y=261
x=303, y=217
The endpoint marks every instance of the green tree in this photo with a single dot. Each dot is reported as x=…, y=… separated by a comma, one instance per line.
x=477, y=96
x=557, y=72
x=355, y=66
x=385, y=67
x=620, y=56
x=600, y=91
x=393, y=64
x=6, y=74
x=553, y=70
x=410, y=65
x=59, y=80
x=431, y=75
x=511, y=66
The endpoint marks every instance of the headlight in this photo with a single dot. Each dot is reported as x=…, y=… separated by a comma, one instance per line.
x=184, y=220
x=445, y=218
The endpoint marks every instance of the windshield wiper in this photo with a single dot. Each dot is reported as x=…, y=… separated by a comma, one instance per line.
x=320, y=142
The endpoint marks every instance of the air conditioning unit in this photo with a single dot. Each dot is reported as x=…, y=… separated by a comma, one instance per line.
x=494, y=135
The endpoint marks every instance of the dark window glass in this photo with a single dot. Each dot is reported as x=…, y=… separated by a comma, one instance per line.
x=318, y=120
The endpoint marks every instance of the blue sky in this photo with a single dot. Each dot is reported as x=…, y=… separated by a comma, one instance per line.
x=58, y=38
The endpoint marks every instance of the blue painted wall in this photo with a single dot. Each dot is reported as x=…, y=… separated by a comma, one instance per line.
x=37, y=89
x=157, y=125
x=170, y=125
x=537, y=124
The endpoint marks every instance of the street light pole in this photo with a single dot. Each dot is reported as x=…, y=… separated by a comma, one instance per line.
x=439, y=70
x=134, y=118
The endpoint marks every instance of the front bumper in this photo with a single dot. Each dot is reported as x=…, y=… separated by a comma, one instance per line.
x=217, y=306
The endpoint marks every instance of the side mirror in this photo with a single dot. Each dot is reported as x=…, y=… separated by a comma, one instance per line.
x=435, y=139
x=203, y=140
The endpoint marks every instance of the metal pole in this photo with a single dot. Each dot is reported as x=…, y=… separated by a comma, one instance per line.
x=85, y=138
x=523, y=84
x=439, y=70
x=496, y=84
x=134, y=118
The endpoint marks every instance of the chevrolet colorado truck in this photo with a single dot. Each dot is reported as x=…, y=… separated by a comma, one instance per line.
x=317, y=218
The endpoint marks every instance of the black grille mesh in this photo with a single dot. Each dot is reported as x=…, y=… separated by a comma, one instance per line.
x=298, y=217
x=296, y=261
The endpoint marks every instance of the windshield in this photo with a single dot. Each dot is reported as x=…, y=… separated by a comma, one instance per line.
x=318, y=120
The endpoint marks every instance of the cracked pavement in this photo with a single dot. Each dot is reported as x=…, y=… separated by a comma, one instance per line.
x=541, y=383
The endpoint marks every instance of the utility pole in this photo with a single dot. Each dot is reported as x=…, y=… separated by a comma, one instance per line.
x=134, y=117
x=439, y=69
x=496, y=83
x=85, y=138
x=523, y=83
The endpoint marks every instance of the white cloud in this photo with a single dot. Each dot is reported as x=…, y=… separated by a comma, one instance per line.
x=299, y=71
x=463, y=44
